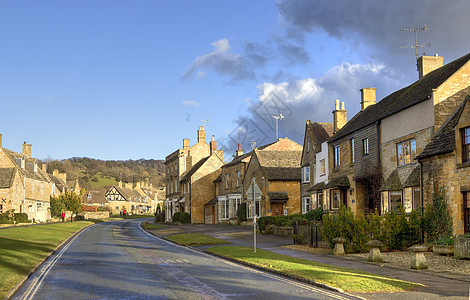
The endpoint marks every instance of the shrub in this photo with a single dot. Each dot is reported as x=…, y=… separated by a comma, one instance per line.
x=5, y=218
x=298, y=239
x=314, y=215
x=241, y=212
x=159, y=218
x=437, y=221
x=265, y=221
x=21, y=218
x=176, y=217
x=184, y=217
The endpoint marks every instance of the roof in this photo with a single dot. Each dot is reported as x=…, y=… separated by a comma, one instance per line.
x=29, y=169
x=96, y=197
x=401, y=177
x=413, y=94
x=278, y=197
x=392, y=183
x=219, y=178
x=280, y=165
x=414, y=178
x=444, y=139
x=238, y=159
x=193, y=169
x=319, y=132
x=212, y=202
x=6, y=177
x=316, y=187
x=338, y=182
x=61, y=185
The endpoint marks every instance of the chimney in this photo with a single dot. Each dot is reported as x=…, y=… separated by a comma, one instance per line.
x=201, y=134
x=55, y=173
x=239, y=151
x=27, y=150
x=0, y=140
x=213, y=146
x=44, y=167
x=63, y=176
x=339, y=116
x=138, y=185
x=427, y=64
x=186, y=144
x=367, y=97
x=120, y=184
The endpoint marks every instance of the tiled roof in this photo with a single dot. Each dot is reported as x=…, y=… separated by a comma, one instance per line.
x=193, y=170
x=337, y=182
x=414, y=178
x=219, y=178
x=96, y=197
x=212, y=202
x=316, y=187
x=278, y=196
x=29, y=163
x=319, y=133
x=280, y=165
x=238, y=159
x=61, y=185
x=406, y=97
x=444, y=139
x=6, y=177
x=392, y=183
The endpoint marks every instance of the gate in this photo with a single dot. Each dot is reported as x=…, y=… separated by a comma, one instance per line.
x=308, y=234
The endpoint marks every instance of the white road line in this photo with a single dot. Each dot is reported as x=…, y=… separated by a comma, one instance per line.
x=32, y=289
x=283, y=279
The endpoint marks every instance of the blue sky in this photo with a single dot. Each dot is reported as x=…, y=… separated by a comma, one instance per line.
x=130, y=79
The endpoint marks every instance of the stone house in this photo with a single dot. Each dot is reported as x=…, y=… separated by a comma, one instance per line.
x=321, y=172
x=177, y=163
x=151, y=197
x=61, y=184
x=124, y=198
x=277, y=174
x=380, y=143
x=198, y=183
x=445, y=163
x=25, y=187
x=95, y=198
x=315, y=134
x=228, y=190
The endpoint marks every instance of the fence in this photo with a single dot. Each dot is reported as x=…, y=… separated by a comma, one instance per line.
x=308, y=234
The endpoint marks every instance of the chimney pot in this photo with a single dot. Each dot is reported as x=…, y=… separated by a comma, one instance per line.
x=1, y=140
x=336, y=104
x=186, y=143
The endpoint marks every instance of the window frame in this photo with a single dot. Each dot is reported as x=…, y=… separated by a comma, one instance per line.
x=365, y=147
x=306, y=205
x=351, y=144
x=394, y=193
x=336, y=156
x=306, y=174
x=323, y=167
x=407, y=150
x=465, y=136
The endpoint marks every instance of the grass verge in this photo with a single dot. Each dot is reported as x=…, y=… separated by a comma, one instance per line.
x=150, y=226
x=22, y=248
x=349, y=280
x=195, y=239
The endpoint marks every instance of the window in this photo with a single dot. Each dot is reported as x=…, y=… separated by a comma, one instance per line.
x=306, y=205
x=238, y=178
x=351, y=143
x=416, y=197
x=466, y=144
x=223, y=209
x=226, y=181
x=305, y=174
x=466, y=212
x=308, y=144
x=234, y=204
x=365, y=147
x=406, y=152
x=322, y=167
x=253, y=208
x=320, y=200
x=337, y=156
x=395, y=200
x=39, y=206
x=335, y=199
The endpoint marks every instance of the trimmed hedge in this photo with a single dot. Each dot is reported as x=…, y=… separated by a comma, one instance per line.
x=176, y=217
x=10, y=217
x=184, y=217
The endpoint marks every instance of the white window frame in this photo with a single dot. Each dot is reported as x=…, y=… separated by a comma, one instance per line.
x=223, y=209
x=365, y=146
x=336, y=156
x=352, y=149
x=306, y=204
x=306, y=174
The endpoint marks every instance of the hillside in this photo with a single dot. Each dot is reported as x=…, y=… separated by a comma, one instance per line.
x=94, y=174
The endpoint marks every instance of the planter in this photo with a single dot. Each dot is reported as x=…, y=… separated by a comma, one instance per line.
x=443, y=249
x=462, y=246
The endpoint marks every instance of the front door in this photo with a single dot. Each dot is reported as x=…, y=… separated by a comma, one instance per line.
x=466, y=212
x=276, y=209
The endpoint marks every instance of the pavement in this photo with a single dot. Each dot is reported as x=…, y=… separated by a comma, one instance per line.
x=434, y=286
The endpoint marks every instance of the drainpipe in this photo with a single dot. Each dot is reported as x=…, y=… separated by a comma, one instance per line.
x=421, y=192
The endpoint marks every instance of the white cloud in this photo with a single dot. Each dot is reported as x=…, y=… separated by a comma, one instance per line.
x=191, y=103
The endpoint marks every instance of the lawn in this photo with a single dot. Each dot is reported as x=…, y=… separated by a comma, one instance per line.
x=22, y=248
x=195, y=239
x=150, y=226
x=347, y=279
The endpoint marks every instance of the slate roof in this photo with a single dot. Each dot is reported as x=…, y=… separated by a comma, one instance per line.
x=219, y=178
x=337, y=182
x=212, y=202
x=414, y=178
x=193, y=169
x=316, y=187
x=319, y=133
x=238, y=159
x=28, y=170
x=278, y=196
x=392, y=183
x=401, y=177
x=444, y=139
x=61, y=185
x=280, y=165
x=413, y=94
x=96, y=197
x=6, y=177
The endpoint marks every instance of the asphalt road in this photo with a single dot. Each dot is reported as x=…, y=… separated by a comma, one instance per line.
x=118, y=260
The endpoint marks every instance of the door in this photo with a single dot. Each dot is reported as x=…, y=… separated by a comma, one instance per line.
x=466, y=212
x=276, y=209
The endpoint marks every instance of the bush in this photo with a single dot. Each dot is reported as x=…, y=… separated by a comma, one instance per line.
x=241, y=212
x=176, y=217
x=265, y=221
x=184, y=217
x=298, y=239
x=5, y=218
x=314, y=215
x=437, y=221
x=159, y=218
x=21, y=218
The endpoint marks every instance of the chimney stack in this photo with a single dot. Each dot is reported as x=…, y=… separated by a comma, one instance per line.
x=27, y=150
x=138, y=185
x=63, y=176
x=55, y=173
x=186, y=144
x=339, y=116
x=368, y=97
x=239, y=151
x=201, y=134
x=44, y=167
x=427, y=64
x=1, y=140
x=120, y=184
x=213, y=145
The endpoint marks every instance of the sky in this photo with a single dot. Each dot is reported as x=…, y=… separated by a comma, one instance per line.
x=118, y=80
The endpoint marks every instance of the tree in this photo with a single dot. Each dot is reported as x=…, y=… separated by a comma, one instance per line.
x=66, y=202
